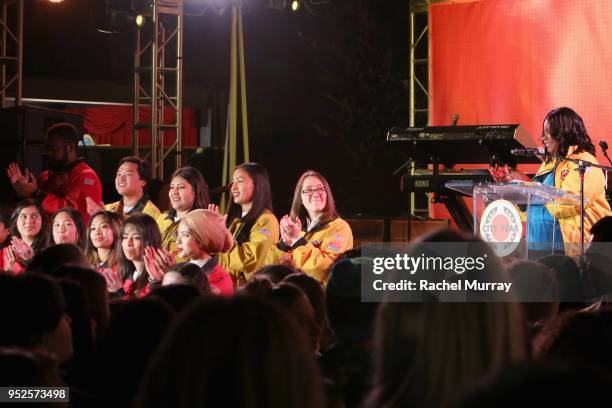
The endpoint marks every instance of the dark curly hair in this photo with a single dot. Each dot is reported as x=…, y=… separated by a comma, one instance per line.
x=567, y=129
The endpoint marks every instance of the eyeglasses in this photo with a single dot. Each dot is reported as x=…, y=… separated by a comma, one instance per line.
x=310, y=191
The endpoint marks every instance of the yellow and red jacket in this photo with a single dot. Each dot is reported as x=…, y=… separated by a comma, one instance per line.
x=318, y=248
x=567, y=177
x=168, y=229
x=244, y=259
x=144, y=206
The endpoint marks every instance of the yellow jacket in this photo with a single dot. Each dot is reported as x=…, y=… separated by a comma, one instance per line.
x=317, y=250
x=567, y=178
x=244, y=259
x=145, y=207
x=168, y=229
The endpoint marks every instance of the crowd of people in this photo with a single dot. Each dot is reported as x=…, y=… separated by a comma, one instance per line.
x=131, y=306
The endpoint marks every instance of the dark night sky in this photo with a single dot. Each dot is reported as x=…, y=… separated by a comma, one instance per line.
x=352, y=52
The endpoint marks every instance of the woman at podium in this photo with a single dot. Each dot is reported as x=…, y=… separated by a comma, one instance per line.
x=563, y=134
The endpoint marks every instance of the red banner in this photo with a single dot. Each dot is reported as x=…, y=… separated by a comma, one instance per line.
x=113, y=125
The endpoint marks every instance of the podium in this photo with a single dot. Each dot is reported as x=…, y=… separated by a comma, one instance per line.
x=500, y=208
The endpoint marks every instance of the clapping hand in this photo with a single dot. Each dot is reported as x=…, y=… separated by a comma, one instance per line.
x=21, y=249
x=92, y=206
x=24, y=183
x=290, y=229
x=215, y=208
x=113, y=279
x=505, y=173
x=157, y=262
x=9, y=259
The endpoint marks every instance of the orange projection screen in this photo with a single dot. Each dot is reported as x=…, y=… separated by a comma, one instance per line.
x=511, y=61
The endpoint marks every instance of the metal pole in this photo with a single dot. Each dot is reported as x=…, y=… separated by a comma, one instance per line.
x=136, y=105
x=179, y=91
x=154, y=74
x=4, y=50
x=18, y=90
x=160, y=78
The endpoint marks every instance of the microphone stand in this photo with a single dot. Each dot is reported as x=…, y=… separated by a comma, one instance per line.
x=605, y=152
x=409, y=165
x=582, y=166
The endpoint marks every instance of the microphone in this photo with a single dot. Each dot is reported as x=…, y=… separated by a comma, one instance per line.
x=455, y=119
x=220, y=189
x=604, y=147
x=527, y=151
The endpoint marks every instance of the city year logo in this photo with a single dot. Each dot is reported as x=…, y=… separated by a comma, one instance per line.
x=501, y=226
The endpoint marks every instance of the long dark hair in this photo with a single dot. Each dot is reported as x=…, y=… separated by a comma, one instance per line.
x=297, y=207
x=262, y=200
x=206, y=350
x=77, y=218
x=150, y=236
x=40, y=242
x=91, y=252
x=567, y=128
x=200, y=188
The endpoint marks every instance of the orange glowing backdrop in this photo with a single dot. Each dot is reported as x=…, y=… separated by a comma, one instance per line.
x=511, y=61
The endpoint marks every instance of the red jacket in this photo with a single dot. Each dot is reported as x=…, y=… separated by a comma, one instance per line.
x=219, y=279
x=18, y=267
x=69, y=189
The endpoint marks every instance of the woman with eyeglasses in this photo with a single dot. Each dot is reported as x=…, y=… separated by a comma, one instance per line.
x=250, y=220
x=563, y=134
x=313, y=235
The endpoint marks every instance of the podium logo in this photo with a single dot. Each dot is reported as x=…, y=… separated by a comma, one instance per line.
x=501, y=226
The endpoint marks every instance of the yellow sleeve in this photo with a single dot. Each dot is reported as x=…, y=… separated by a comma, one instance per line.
x=594, y=185
x=274, y=254
x=111, y=207
x=167, y=230
x=151, y=210
x=316, y=259
x=251, y=255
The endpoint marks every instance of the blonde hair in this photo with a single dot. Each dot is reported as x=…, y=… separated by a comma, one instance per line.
x=209, y=230
x=434, y=352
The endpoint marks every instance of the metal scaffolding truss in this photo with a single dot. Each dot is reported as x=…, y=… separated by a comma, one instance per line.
x=12, y=50
x=158, y=83
x=419, y=63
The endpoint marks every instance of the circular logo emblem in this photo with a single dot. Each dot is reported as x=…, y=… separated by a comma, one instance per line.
x=501, y=226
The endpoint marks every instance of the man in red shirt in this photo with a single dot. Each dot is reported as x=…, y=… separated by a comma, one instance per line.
x=69, y=180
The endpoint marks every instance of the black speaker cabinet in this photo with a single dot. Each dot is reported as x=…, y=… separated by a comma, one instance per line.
x=399, y=231
x=366, y=229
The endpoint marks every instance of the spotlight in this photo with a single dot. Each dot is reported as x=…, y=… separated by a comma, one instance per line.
x=139, y=20
x=295, y=5
x=56, y=1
